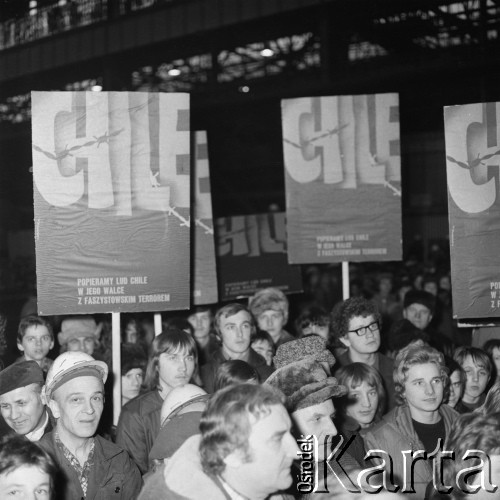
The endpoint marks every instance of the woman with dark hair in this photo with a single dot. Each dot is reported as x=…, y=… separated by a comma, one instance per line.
x=172, y=364
x=363, y=405
x=26, y=470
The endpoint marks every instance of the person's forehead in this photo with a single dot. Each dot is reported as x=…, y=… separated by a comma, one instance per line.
x=470, y=362
x=423, y=370
x=134, y=371
x=240, y=316
x=36, y=330
x=455, y=376
x=416, y=306
x=19, y=393
x=363, y=386
x=271, y=311
x=324, y=408
x=359, y=321
x=81, y=338
x=19, y=474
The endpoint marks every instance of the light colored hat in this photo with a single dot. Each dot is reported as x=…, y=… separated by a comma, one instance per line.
x=78, y=326
x=70, y=365
x=179, y=396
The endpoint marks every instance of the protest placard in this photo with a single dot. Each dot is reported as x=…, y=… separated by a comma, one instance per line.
x=342, y=178
x=112, y=201
x=472, y=161
x=204, y=267
x=251, y=251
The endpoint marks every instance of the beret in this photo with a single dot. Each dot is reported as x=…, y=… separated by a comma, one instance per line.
x=19, y=375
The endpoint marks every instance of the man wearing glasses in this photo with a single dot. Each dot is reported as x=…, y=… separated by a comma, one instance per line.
x=356, y=324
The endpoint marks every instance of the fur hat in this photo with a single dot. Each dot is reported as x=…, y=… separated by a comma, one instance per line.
x=78, y=326
x=305, y=383
x=420, y=297
x=20, y=375
x=311, y=346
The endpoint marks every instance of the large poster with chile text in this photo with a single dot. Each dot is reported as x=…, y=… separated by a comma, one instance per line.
x=112, y=201
x=342, y=178
x=251, y=251
x=472, y=135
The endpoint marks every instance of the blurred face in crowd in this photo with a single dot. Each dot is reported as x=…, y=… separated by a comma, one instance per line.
x=265, y=469
x=175, y=369
x=385, y=286
x=22, y=408
x=235, y=332
x=317, y=329
x=363, y=336
x=317, y=420
x=423, y=390
x=265, y=349
x=26, y=482
x=476, y=381
x=271, y=321
x=495, y=355
x=363, y=404
x=36, y=343
x=77, y=405
x=431, y=287
x=201, y=322
x=83, y=344
x=131, y=334
x=418, y=314
x=456, y=388
x=131, y=383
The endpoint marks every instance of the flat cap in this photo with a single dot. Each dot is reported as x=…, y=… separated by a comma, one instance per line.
x=19, y=375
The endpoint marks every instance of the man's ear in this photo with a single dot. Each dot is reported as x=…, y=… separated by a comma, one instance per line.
x=405, y=314
x=51, y=345
x=54, y=408
x=345, y=341
x=20, y=347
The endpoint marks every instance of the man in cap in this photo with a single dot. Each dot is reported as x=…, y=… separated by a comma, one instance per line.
x=94, y=468
x=21, y=402
x=245, y=449
x=301, y=376
x=79, y=333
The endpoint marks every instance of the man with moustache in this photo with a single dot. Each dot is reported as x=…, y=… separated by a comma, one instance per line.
x=93, y=468
x=235, y=326
x=21, y=403
x=356, y=324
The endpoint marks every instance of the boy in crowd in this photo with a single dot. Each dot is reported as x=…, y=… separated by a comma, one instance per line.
x=35, y=339
x=201, y=319
x=263, y=344
x=420, y=420
x=26, y=470
x=314, y=321
x=269, y=307
x=79, y=333
x=477, y=367
x=357, y=326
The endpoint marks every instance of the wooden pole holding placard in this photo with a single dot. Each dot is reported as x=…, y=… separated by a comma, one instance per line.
x=345, y=280
x=117, y=376
x=158, y=325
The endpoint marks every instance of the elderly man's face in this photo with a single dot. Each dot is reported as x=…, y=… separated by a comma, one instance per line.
x=78, y=406
x=317, y=420
x=22, y=408
x=271, y=451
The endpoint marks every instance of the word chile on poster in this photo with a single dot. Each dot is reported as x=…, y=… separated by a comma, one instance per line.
x=472, y=135
x=342, y=178
x=251, y=251
x=111, y=174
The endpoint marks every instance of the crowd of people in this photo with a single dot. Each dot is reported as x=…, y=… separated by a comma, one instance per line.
x=246, y=402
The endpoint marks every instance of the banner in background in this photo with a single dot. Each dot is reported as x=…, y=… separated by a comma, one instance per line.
x=472, y=136
x=342, y=178
x=112, y=201
x=204, y=267
x=251, y=253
